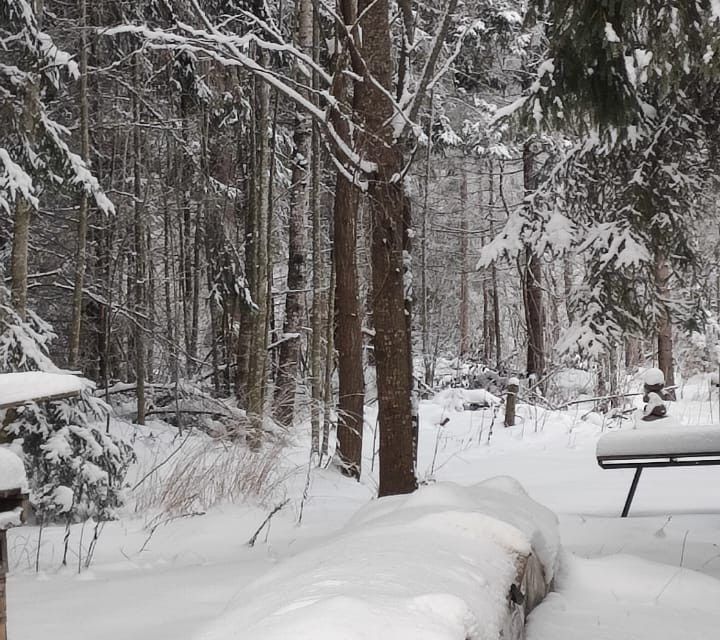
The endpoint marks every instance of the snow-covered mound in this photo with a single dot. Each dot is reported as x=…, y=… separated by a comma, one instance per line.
x=12, y=471
x=437, y=564
x=458, y=399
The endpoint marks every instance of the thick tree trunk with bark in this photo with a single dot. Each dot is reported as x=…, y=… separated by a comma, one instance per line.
x=289, y=357
x=387, y=202
x=348, y=333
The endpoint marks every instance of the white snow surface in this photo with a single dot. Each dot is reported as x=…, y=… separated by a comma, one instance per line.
x=26, y=386
x=622, y=597
x=653, y=439
x=164, y=576
x=12, y=471
x=434, y=565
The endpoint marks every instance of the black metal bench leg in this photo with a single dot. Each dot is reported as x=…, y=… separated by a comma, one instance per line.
x=631, y=493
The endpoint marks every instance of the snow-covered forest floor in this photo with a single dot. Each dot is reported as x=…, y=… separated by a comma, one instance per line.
x=654, y=575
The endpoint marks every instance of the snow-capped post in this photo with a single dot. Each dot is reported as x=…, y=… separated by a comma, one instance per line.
x=653, y=395
x=513, y=385
x=13, y=493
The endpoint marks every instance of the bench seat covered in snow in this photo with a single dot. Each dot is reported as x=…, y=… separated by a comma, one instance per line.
x=34, y=386
x=655, y=445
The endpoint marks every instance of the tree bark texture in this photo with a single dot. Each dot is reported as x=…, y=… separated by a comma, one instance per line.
x=664, y=325
x=80, y=252
x=464, y=292
x=532, y=283
x=387, y=202
x=257, y=365
x=289, y=357
x=139, y=242
x=348, y=333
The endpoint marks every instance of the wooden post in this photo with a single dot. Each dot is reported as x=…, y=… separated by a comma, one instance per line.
x=512, y=390
x=3, y=573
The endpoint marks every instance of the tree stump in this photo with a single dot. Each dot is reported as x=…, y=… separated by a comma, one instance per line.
x=510, y=400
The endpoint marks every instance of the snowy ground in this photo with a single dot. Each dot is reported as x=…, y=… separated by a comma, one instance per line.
x=652, y=576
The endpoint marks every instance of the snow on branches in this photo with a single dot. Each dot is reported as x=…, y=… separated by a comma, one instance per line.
x=75, y=469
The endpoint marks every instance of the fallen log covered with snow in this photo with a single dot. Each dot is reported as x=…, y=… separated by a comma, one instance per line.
x=444, y=563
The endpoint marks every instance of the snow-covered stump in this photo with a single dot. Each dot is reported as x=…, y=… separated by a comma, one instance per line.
x=13, y=493
x=513, y=386
x=444, y=563
x=529, y=590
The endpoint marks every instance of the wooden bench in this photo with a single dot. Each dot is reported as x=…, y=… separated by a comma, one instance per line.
x=655, y=445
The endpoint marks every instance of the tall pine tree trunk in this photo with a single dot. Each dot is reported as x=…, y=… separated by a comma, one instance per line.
x=348, y=334
x=387, y=206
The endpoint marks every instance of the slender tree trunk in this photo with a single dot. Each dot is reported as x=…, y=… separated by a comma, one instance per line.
x=23, y=213
x=532, y=283
x=289, y=356
x=428, y=360
x=19, y=258
x=139, y=238
x=319, y=298
x=495, y=333
x=387, y=205
x=257, y=366
x=245, y=212
x=464, y=293
x=80, y=253
x=664, y=324
x=329, y=362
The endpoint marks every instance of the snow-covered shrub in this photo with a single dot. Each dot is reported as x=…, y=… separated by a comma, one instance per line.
x=75, y=470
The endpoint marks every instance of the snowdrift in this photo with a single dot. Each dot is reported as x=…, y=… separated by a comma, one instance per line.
x=439, y=564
